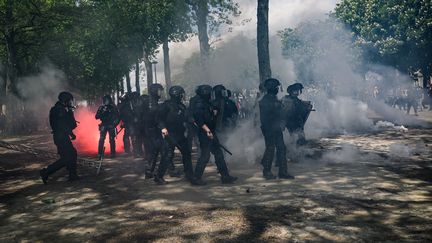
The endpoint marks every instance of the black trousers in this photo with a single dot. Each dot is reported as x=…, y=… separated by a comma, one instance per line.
x=68, y=155
x=274, y=142
x=112, y=133
x=154, y=144
x=169, y=144
x=138, y=135
x=208, y=146
x=127, y=138
x=299, y=132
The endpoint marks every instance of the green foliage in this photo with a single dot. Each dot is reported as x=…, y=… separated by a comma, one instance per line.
x=396, y=32
x=95, y=42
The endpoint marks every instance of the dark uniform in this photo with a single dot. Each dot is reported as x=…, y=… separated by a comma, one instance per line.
x=153, y=136
x=126, y=116
x=172, y=119
x=191, y=127
x=136, y=125
x=272, y=127
x=226, y=109
x=205, y=118
x=296, y=112
x=231, y=116
x=412, y=99
x=63, y=123
x=109, y=116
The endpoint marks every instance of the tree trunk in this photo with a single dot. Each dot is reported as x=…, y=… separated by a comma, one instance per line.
x=118, y=92
x=149, y=71
x=263, y=40
x=11, y=66
x=202, y=11
x=167, y=68
x=128, y=83
x=122, y=90
x=137, y=77
x=426, y=70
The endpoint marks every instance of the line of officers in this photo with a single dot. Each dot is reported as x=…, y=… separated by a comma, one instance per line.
x=158, y=128
x=153, y=129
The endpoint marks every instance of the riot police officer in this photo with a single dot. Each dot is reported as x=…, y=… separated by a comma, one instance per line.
x=153, y=138
x=172, y=121
x=205, y=119
x=62, y=122
x=126, y=116
x=296, y=112
x=109, y=116
x=136, y=103
x=226, y=110
x=272, y=127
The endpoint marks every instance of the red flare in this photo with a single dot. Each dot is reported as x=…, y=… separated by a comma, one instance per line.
x=87, y=133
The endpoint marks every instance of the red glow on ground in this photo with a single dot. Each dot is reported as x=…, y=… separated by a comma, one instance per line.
x=87, y=134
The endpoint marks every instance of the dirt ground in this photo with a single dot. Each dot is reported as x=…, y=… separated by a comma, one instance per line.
x=364, y=188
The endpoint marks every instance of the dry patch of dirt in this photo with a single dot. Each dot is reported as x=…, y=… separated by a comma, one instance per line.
x=365, y=187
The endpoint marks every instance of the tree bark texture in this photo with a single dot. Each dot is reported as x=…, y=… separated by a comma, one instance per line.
x=263, y=40
x=167, y=68
x=137, y=77
x=202, y=11
x=128, y=83
x=149, y=70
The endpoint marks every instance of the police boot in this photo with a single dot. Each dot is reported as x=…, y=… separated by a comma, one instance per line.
x=286, y=176
x=149, y=174
x=227, y=179
x=73, y=177
x=268, y=175
x=44, y=175
x=198, y=182
x=159, y=180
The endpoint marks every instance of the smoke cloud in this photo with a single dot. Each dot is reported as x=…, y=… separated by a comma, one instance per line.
x=340, y=85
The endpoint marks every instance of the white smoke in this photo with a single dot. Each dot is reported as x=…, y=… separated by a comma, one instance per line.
x=39, y=92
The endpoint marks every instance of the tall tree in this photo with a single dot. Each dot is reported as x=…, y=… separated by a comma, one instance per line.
x=137, y=77
x=148, y=66
x=263, y=40
x=128, y=83
x=167, y=68
x=398, y=33
x=202, y=11
x=210, y=14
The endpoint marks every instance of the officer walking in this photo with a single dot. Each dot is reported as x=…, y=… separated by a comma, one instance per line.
x=109, y=116
x=126, y=116
x=153, y=138
x=205, y=119
x=62, y=122
x=172, y=121
x=136, y=125
x=296, y=112
x=226, y=110
x=272, y=126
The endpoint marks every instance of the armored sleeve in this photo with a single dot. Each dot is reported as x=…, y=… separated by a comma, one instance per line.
x=161, y=115
x=99, y=112
x=116, y=115
x=199, y=114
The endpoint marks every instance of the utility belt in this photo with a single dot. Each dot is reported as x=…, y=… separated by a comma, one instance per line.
x=103, y=127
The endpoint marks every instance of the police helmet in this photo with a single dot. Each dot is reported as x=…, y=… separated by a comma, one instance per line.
x=65, y=97
x=107, y=99
x=220, y=91
x=176, y=91
x=204, y=90
x=271, y=83
x=155, y=89
x=294, y=87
